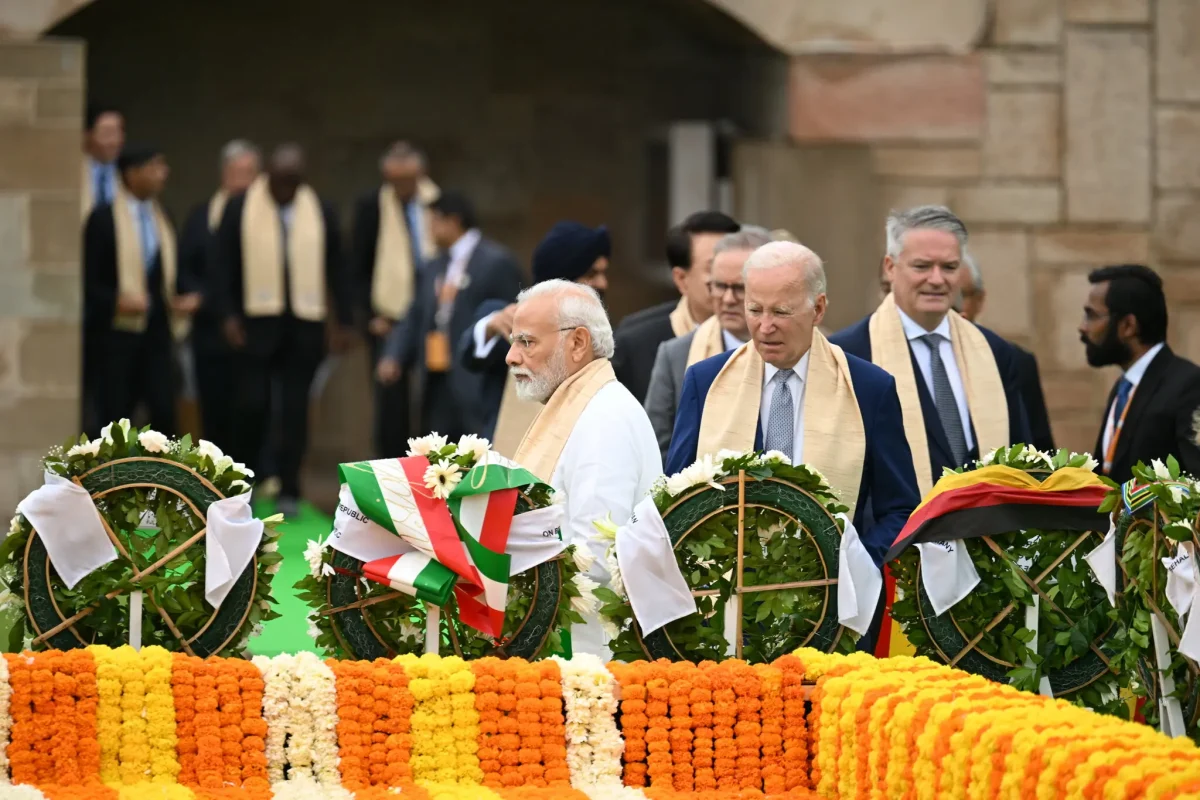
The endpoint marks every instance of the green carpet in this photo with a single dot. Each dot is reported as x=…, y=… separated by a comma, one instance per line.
x=289, y=633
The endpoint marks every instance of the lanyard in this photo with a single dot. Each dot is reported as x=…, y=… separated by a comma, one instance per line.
x=1117, y=425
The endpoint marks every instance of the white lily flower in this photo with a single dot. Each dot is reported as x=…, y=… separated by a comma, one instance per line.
x=153, y=441
x=1160, y=470
x=87, y=448
x=207, y=448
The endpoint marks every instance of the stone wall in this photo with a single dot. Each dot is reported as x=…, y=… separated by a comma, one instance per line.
x=1068, y=138
x=41, y=91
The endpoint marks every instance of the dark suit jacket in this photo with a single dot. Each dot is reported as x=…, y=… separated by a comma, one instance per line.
x=225, y=274
x=637, y=339
x=889, y=483
x=492, y=369
x=1034, y=400
x=195, y=245
x=492, y=274
x=1160, y=418
x=857, y=340
x=100, y=274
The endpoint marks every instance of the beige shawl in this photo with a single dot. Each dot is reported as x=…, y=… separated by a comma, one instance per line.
x=985, y=391
x=87, y=197
x=708, y=341
x=544, y=441
x=835, y=441
x=263, y=293
x=216, y=208
x=131, y=266
x=682, y=322
x=394, y=276
x=514, y=419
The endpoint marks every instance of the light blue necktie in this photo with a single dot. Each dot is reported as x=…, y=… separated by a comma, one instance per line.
x=149, y=240
x=781, y=421
x=943, y=399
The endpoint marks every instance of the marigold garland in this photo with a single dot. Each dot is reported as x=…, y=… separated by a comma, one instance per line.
x=445, y=724
x=632, y=679
x=594, y=744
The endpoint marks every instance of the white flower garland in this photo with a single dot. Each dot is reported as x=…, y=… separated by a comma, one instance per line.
x=594, y=744
x=316, y=688
x=277, y=680
x=307, y=789
x=612, y=791
x=21, y=791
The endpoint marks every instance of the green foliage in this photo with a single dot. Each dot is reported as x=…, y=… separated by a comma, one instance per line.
x=176, y=587
x=1073, y=616
x=775, y=551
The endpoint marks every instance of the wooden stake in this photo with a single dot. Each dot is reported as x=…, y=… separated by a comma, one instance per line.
x=741, y=551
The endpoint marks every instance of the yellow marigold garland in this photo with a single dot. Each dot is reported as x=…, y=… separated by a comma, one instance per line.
x=445, y=724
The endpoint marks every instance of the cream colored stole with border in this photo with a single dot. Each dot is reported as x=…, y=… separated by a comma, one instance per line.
x=981, y=379
x=394, y=276
x=514, y=419
x=835, y=441
x=263, y=293
x=682, y=322
x=544, y=441
x=131, y=266
x=87, y=197
x=216, y=208
x=708, y=341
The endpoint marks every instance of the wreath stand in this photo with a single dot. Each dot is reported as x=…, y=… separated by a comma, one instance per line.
x=54, y=630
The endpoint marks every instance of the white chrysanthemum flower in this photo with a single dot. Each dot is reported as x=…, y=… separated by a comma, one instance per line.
x=611, y=629
x=270, y=547
x=239, y=487
x=990, y=458
x=153, y=441
x=1176, y=494
x=725, y=455
x=221, y=464
x=314, y=554
x=207, y=448
x=426, y=444
x=776, y=457
x=583, y=558
x=14, y=524
x=477, y=446
x=677, y=484
x=313, y=631
x=86, y=449
x=273, y=569
x=441, y=478
x=242, y=468
x=1160, y=470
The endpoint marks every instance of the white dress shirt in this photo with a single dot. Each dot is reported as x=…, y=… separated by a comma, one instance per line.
x=796, y=384
x=456, y=271
x=607, y=466
x=1134, y=375
x=925, y=361
x=731, y=341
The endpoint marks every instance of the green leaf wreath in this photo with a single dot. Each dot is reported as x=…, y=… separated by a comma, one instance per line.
x=1144, y=537
x=399, y=623
x=1061, y=641
x=774, y=622
x=150, y=523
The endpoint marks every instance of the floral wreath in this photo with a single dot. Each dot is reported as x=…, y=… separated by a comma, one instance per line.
x=542, y=602
x=793, y=515
x=1154, y=520
x=153, y=493
x=984, y=632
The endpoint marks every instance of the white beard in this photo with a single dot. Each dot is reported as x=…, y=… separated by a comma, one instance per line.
x=539, y=386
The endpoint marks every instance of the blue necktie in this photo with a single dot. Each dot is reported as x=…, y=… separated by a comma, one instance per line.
x=102, y=187
x=146, y=223
x=781, y=421
x=1124, y=389
x=944, y=401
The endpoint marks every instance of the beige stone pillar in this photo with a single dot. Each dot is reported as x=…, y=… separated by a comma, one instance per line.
x=41, y=108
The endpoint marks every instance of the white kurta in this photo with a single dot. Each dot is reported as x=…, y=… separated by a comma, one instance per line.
x=607, y=466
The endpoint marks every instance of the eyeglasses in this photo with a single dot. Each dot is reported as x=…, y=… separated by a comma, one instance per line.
x=718, y=289
x=524, y=341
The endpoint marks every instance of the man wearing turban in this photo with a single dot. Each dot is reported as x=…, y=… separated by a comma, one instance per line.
x=571, y=251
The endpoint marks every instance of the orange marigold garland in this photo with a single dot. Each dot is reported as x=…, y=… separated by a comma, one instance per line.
x=529, y=721
x=632, y=679
x=554, y=725
x=658, y=726
x=795, y=729
x=253, y=726
x=487, y=703
x=701, y=699
x=680, y=706
x=183, y=684
x=725, y=711
x=774, y=775
x=356, y=719
x=210, y=757
x=394, y=704
x=747, y=685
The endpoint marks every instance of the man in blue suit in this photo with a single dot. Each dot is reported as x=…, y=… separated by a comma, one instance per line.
x=959, y=384
x=570, y=251
x=790, y=390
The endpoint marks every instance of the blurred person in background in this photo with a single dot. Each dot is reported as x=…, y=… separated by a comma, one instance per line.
x=392, y=239
x=240, y=163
